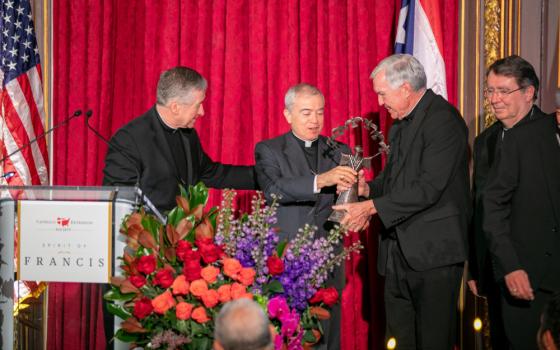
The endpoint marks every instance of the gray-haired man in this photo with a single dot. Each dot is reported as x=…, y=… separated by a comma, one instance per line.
x=422, y=198
x=242, y=325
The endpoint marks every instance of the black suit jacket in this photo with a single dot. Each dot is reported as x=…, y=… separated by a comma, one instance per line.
x=143, y=141
x=522, y=204
x=484, y=153
x=282, y=169
x=425, y=196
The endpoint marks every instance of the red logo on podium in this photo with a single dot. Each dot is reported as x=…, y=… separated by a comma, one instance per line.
x=63, y=222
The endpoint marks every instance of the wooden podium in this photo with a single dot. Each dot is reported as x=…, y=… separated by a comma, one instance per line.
x=60, y=234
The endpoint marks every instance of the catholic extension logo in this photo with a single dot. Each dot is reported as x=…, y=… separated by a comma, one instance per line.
x=63, y=222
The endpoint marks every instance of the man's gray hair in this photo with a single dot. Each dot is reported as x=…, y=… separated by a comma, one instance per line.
x=243, y=325
x=177, y=84
x=401, y=68
x=304, y=89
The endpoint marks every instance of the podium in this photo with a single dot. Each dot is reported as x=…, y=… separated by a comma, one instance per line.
x=60, y=234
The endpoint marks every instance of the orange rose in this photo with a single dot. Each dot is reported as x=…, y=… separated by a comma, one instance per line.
x=183, y=311
x=246, y=276
x=210, y=273
x=180, y=285
x=246, y=296
x=199, y=315
x=237, y=290
x=198, y=287
x=224, y=293
x=163, y=302
x=231, y=267
x=210, y=298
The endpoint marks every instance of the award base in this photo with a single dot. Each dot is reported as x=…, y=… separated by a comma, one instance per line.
x=336, y=216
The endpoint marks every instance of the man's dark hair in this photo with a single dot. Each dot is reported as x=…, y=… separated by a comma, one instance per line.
x=177, y=84
x=518, y=68
x=551, y=318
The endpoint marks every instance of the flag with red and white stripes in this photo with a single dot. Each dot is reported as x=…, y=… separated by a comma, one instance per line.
x=21, y=98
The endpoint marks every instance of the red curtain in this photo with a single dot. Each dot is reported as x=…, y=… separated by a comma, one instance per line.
x=108, y=55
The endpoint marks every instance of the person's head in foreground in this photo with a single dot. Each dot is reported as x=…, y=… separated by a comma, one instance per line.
x=242, y=325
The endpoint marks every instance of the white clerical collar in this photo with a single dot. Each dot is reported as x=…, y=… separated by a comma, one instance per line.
x=305, y=142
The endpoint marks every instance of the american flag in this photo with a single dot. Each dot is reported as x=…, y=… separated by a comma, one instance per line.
x=21, y=98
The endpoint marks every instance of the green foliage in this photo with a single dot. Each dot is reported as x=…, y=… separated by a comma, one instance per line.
x=273, y=287
x=127, y=337
x=118, y=310
x=115, y=295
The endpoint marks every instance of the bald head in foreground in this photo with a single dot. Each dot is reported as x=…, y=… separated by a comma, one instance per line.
x=242, y=325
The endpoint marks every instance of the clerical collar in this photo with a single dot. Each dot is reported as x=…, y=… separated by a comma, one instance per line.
x=410, y=114
x=528, y=116
x=306, y=143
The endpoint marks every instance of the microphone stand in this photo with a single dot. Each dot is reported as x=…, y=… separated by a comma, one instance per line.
x=137, y=198
x=76, y=113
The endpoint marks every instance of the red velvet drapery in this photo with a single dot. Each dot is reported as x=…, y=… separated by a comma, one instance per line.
x=107, y=56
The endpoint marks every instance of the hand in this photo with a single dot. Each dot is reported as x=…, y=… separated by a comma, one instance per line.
x=341, y=176
x=357, y=214
x=518, y=285
x=363, y=187
x=473, y=287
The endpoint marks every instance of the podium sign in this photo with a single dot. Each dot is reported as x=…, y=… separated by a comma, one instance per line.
x=64, y=242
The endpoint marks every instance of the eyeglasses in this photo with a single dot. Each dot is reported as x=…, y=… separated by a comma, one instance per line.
x=500, y=93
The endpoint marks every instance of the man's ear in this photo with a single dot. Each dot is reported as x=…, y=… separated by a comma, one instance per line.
x=529, y=93
x=174, y=107
x=288, y=116
x=548, y=340
x=407, y=89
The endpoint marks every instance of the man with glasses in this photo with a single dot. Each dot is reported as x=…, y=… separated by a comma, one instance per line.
x=518, y=200
x=162, y=147
x=508, y=79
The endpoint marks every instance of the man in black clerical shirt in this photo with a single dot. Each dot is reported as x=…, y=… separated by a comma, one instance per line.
x=422, y=198
x=163, y=148
x=303, y=171
x=507, y=80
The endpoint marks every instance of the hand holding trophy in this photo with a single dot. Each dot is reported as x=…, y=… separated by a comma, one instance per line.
x=356, y=161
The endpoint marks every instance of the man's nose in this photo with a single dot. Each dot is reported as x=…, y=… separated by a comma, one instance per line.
x=201, y=110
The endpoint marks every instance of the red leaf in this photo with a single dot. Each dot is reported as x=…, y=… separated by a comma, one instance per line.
x=132, y=325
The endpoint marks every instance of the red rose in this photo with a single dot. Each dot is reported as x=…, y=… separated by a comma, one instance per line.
x=137, y=281
x=183, y=248
x=330, y=296
x=142, y=308
x=192, y=269
x=208, y=250
x=146, y=264
x=317, y=297
x=275, y=265
x=164, y=278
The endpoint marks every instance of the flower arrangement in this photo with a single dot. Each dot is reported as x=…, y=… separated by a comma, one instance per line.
x=177, y=276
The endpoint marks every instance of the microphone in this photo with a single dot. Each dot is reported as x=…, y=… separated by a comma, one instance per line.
x=89, y=113
x=8, y=175
x=76, y=113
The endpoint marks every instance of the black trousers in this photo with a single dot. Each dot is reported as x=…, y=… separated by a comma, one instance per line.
x=421, y=306
x=522, y=319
